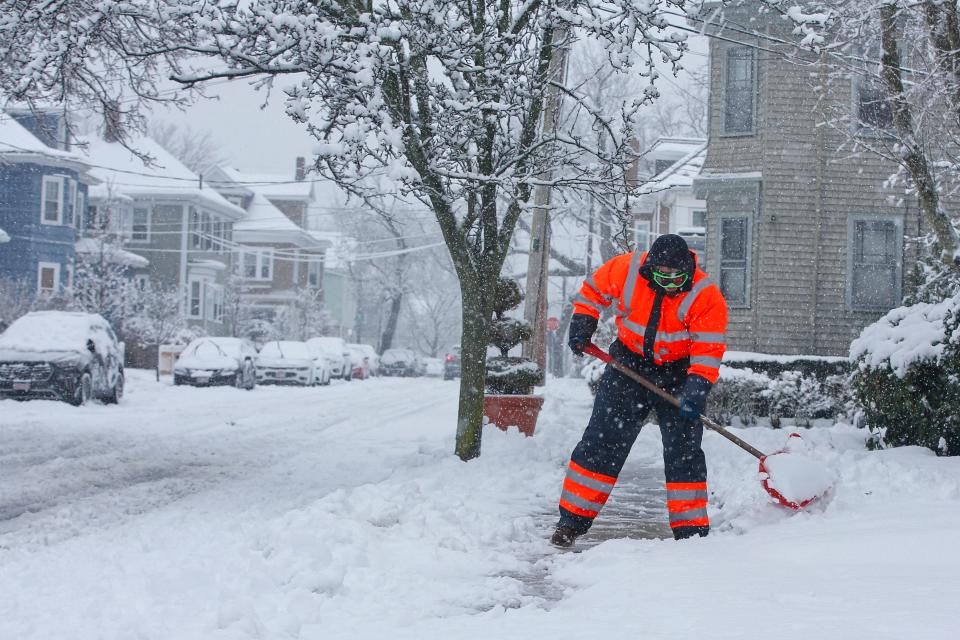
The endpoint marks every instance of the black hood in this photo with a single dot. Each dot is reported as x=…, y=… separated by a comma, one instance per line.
x=670, y=250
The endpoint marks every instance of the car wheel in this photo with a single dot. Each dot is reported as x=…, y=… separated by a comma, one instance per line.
x=84, y=390
x=116, y=394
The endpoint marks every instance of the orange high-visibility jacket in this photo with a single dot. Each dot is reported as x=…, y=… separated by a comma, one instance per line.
x=692, y=324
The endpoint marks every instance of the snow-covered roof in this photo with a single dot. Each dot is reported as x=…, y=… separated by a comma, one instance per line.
x=261, y=215
x=339, y=249
x=17, y=143
x=275, y=186
x=665, y=147
x=107, y=193
x=115, y=255
x=167, y=178
x=680, y=174
x=3, y=236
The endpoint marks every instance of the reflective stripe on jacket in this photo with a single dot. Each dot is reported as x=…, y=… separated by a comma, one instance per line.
x=692, y=324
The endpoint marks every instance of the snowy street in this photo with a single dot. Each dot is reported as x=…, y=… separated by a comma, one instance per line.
x=340, y=512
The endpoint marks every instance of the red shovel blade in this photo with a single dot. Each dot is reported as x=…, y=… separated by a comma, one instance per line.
x=792, y=479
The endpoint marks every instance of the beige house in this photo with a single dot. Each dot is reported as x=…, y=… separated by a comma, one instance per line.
x=805, y=239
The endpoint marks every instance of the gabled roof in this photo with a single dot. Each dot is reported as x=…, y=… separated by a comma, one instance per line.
x=17, y=144
x=261, y=215
x=680, y=174
x=166, y=179
x=275, y=186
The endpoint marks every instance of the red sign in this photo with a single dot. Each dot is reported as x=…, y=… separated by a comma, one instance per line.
x=553, y=323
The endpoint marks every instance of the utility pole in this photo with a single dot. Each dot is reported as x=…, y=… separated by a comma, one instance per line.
x=535, y=308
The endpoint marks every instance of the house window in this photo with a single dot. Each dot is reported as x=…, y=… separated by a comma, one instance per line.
x=255, y=265
x=140, y=225
x=48, y=277
x=734, y=259
x=51, y=207
x=196, y=231
x=220, y=245
x=699, y=219
x=314, y=273
x=874, y=111
x=643, y=235
x=78, y=210
x=739, y=90
x=215, y=300
x=659, y=166
x=876, y=247
x=141, y=282
x=206, y=242
x=70, y=208
x=195, y=308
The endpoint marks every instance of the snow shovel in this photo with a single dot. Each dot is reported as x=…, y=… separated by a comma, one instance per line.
x=794, y=481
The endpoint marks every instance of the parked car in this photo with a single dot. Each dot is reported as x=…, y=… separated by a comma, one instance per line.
x=285, y=362
x=432, y=367
x=61, y=355
x=338, y=357
x=360, y=362
x=451, y=363
x=399, y=362
x=373, y=358
x=217, y=361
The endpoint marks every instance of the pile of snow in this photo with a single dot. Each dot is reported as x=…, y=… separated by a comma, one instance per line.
x=904, y=336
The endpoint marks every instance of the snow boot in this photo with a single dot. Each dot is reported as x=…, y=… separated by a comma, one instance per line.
x=563, y=537
x=682, y=533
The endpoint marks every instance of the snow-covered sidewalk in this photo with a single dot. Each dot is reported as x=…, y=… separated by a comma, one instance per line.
x=341, y=512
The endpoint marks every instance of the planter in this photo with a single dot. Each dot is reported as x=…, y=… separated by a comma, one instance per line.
x=520, y=411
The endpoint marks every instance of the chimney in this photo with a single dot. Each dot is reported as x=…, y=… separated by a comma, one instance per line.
x=301, y=169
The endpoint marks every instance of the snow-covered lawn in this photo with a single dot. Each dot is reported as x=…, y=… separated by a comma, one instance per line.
x=340, y=512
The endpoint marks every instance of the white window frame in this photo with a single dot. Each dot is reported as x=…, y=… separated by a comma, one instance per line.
x=41, y=266
x=70, y=204
x=644, y=227
x=262, y=257
x=852, y=221
x=724, y=131
x=748, y=266
x=78, y=210
x=133, y=225
x=201, y=306
x=43, y=200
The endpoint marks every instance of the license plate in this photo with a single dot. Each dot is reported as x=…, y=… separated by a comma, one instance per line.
x=21, y=386
x=202, y=380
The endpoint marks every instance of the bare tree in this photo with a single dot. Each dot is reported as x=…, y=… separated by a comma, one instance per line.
x=197, y=149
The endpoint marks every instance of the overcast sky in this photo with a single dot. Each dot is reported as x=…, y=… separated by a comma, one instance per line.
x=267, y=140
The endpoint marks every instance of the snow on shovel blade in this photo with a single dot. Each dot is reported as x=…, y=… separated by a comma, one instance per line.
x=793, y=479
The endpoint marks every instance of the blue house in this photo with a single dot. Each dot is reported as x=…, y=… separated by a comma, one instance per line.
x=43, y=201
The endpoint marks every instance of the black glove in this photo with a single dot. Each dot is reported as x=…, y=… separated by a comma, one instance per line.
x=582, y=327
x=693, y=398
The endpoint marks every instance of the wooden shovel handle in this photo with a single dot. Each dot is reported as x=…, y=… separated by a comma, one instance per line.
x=603, y=356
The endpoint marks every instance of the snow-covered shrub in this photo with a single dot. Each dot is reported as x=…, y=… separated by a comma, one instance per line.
x=907, y=377
x=507, y=374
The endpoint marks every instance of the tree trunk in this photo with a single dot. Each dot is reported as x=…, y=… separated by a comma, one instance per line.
x=473, y=371
x=386, y=340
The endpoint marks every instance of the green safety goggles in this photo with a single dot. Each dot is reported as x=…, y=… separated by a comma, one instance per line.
x=670, y=280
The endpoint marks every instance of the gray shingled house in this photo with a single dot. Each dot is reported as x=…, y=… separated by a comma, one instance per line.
x=805, y=239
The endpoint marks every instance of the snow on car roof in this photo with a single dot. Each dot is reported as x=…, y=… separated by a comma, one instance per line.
x=54, y=331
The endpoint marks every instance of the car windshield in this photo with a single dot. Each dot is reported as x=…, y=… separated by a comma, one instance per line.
x=396, y=355
x=285, y=349
x=206, y=347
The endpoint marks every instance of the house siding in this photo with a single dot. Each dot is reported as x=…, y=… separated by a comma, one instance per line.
x=31, y=241
x=808, y=191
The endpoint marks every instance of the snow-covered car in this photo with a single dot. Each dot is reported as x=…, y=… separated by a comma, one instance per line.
x=373, y=358
x=285, y=362
x=359, y=362
x=217, y=361
x=399, y=362
x=432, y=367
x=61, y=355
x=334, y=351
x=451, y=363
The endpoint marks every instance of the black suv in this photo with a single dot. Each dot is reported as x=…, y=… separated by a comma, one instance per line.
x=61, y=355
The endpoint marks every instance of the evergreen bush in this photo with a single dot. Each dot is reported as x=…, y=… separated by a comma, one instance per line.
x=907, y=378
x=507, y=374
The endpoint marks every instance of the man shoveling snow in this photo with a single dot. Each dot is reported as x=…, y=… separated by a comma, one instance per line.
x=671, y=322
